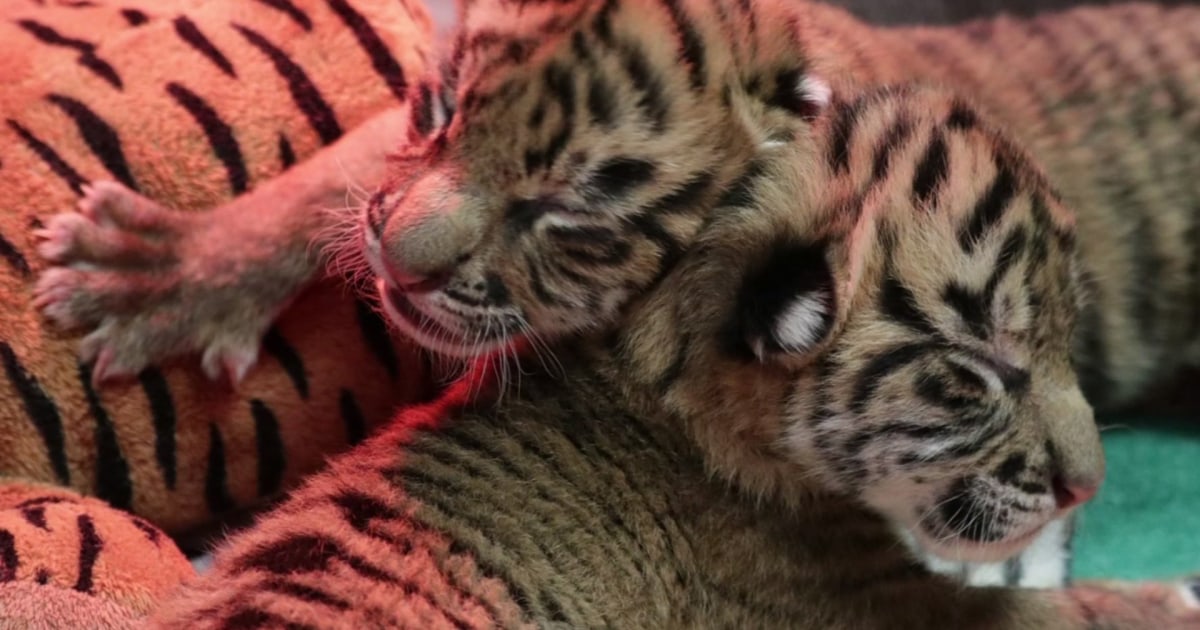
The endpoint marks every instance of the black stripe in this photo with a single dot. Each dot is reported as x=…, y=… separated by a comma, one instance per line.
x=277, y=346
x=36, y=516
x=162, y=411
x=134, y=17
x=9, y=561
x=216, y=487
x=961, y=117
x=41, y=410
x=989, y=210
x=653, y=100
x=9, y=252
x=306, y=553
x=896, y=136
x=87, y=50
x=271, y=460
x=381, y=58
x=305, y=593
x=51, y=157
x=287, y=156
x=882, y=365
x=841, y=131
x=190, y=34
x=932, y=170
x=100, y=137
x=90, y=545
x=375, y=334
x=292, y=11
x=352, y=418
x=691, y=45
x=113, y=483
x=901, y=306
x=971, y=306
x=616, y=178
x=152, y=533
x=304, y=92
x=219, y=133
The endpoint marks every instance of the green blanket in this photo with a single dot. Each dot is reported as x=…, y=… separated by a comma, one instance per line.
x=1145, y=523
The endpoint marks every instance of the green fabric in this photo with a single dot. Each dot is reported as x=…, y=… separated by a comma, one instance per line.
x=1145, y=523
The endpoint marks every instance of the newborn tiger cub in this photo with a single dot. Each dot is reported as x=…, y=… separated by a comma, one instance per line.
x=805, y=351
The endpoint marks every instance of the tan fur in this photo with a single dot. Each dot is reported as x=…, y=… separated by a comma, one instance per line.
x=586, y=499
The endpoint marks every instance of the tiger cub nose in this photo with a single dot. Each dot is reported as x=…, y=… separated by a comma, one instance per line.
x=1069, y=493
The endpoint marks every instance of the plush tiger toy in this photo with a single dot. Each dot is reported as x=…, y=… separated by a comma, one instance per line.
x=190, y=103
x=68, y=561
x=779, y=352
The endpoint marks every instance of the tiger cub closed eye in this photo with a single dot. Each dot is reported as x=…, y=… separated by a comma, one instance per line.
x=903, y=338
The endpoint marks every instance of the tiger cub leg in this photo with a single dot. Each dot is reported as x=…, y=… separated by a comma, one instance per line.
x=149, y=282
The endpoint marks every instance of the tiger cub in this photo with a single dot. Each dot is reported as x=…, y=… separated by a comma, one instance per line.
x=850, y=349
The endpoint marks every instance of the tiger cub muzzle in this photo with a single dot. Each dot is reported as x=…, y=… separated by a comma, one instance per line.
x=422, y=245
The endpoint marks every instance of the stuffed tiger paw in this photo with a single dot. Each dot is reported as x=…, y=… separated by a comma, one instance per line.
x=138, y=273
x=67, y=561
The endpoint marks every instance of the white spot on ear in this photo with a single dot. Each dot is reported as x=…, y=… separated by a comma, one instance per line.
x=800, y=325
x=815, y=90
x=439, y=111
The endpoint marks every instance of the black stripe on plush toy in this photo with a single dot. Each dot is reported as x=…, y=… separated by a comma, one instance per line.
x=162, y=410
x=375, y=334
x=271, y=459
x=87, y=50
x=352, y=418
x=57, y=164
x=90, y=545
x=216, y=486
x=10, y=253
x=113, y=483
x=192, y=35
x=304, y=92
x=100, y=137
x=287, y=155
x=41, y=410
x=277, y=346
x=381, y=58
x=292, y=11
x=134, y=17
x=219, y=134
x=9, y=561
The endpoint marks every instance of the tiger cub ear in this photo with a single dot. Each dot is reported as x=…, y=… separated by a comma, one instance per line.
x=786, y=305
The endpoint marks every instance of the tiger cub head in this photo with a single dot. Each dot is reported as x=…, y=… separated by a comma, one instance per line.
x=893, y=322
x=563, y=163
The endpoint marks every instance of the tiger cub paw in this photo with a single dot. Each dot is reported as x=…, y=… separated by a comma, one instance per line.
x=146, y=282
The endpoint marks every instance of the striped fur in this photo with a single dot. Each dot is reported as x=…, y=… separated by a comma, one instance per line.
x=586, y=499
x=157, y=96
x=559, y=509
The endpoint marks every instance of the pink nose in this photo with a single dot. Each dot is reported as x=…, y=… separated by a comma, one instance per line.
x=1068, y=494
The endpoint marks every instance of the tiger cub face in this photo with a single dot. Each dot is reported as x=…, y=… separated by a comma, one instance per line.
x=892, y=321
x=561, y=167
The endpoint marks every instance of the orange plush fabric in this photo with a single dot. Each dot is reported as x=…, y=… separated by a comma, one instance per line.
x=67, y=561
x=189, y=102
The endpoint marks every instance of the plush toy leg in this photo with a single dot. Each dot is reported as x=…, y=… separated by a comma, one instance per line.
x=67, y=561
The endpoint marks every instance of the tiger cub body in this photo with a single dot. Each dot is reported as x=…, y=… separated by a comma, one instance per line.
x=586, y=498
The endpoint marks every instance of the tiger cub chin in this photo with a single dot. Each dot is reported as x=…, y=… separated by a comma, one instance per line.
x=805, y=350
